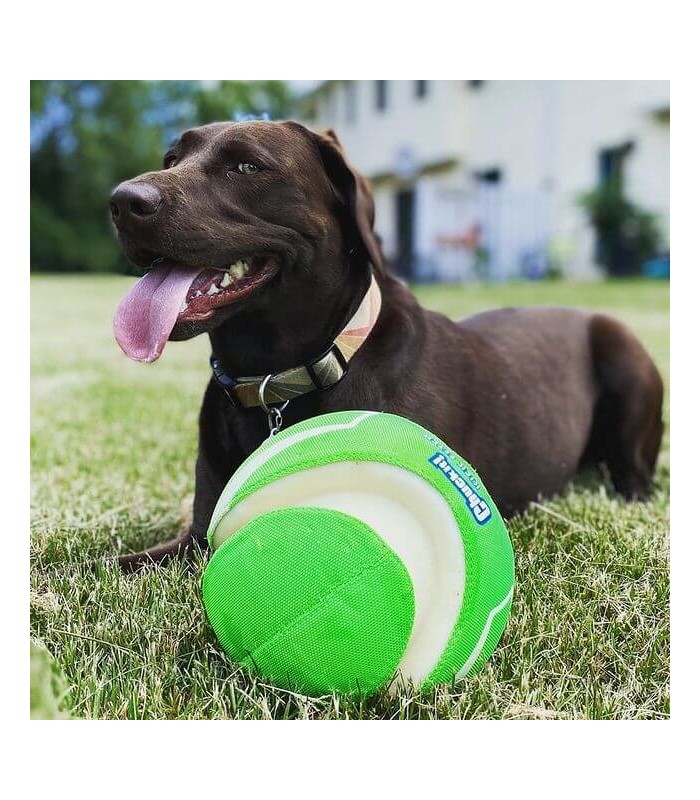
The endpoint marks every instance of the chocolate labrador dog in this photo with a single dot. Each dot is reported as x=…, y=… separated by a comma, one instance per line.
x=260, y=235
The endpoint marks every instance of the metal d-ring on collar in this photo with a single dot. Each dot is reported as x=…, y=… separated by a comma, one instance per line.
x=274, y=413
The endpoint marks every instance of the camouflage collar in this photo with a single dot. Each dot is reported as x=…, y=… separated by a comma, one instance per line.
x=325, y=371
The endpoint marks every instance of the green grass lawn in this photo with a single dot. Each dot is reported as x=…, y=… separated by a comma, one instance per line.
x=113, y=448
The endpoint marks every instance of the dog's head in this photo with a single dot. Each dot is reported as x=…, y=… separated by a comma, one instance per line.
x=242, y=215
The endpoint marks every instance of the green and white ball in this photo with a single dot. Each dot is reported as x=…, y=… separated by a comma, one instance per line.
x=354, y=549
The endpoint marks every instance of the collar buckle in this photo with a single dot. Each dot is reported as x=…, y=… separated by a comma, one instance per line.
x=332, y=364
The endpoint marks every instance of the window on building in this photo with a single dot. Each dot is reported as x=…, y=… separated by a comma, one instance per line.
x=380, y=97
x=475, y=84
x=611, y=163
x=350, y=101
x=421, y=89
x=493, y=175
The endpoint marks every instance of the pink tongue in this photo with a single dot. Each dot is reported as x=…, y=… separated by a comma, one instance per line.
x=146, y=315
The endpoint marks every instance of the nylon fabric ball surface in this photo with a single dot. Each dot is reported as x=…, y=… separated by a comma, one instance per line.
x=355, y=548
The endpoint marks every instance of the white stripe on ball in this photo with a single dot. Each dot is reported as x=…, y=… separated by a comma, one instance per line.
x=269, y=449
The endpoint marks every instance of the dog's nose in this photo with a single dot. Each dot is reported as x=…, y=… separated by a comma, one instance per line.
x=134, y=200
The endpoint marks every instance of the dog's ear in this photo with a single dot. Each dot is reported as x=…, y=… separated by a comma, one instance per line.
x=329, y=133
x=354, y=193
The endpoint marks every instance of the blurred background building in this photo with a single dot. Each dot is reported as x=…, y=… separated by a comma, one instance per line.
x=505, y=179
x=472, y=179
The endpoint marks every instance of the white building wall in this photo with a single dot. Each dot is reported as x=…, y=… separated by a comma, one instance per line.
x=432, y=127
x=649, y=176
x=544, y=136
x=508, y=128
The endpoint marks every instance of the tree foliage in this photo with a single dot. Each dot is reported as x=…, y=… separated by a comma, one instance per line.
x=87, y=136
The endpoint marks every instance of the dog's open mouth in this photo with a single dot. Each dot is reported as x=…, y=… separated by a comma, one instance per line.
x=213, y=288
x=172, y=294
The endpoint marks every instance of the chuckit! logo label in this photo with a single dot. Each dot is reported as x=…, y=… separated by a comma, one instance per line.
x=475, y=503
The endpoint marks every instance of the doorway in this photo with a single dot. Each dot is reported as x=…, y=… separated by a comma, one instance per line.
x=405, y=232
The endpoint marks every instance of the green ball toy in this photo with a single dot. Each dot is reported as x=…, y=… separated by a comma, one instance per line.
x=356, y=550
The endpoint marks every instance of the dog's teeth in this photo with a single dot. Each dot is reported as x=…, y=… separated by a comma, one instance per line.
x=239, y=269
x=225, y=281
x=197, y=293
x=212, y=290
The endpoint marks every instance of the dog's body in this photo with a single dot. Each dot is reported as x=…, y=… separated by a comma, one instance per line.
x=527, y=396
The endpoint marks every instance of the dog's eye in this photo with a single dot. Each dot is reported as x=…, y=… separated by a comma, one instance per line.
x=169, y=160
x=247, y=168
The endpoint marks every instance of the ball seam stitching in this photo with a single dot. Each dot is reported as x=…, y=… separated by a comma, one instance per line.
x=299, y=619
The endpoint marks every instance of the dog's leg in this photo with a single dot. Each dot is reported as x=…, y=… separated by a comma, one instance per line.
x=628, y=427
x=183, y=545
x=208, y=487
